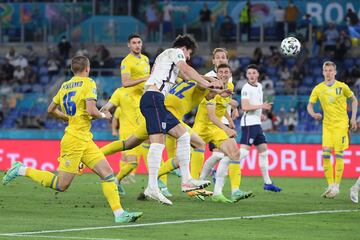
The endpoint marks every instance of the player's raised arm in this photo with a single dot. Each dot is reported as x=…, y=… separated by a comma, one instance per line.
x=54, y=111
x=190, y=73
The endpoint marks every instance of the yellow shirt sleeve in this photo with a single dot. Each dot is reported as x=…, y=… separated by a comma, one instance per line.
x=125, y=67
x=90, y=91
x=115, y=98
x=347, y=91
x=56, y=98
x=314, y=96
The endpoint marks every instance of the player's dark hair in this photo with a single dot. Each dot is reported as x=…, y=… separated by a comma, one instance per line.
x=79, y=64
x=252, y=66
x=223, y=65
x=133, y=35
x=185, y=41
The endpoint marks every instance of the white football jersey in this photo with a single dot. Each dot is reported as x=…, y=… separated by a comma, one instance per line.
x=165, y=71
x=224, y=120
x=255, y=96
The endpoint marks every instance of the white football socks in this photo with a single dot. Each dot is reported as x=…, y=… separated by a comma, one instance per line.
x=183, y=151
x=154, y=160
x=264, y=166
x=221, y=174
x=210, y=163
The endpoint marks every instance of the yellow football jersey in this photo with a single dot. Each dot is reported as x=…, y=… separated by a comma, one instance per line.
x=137, y=68
x=72, y=98
x=333, y=102
x=183, y=97
x=220, y=103
x=127, y=116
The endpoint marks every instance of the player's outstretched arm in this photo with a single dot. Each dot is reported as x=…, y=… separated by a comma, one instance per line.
x=54, y=111
x=310, y=109
x=354, y=106
x=107, y=107
x=94, y=112
x=188, y=72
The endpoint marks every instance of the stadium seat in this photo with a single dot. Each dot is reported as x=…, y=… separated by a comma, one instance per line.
x=244, y=61
x=197, y=62
x=348, y=63
x=308, y=81
x=272, y=70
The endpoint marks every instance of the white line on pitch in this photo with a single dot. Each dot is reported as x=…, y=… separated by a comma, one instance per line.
x=182, y=222
x=59, y=237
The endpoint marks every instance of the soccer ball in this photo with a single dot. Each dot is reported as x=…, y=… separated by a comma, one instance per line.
x=290, y=46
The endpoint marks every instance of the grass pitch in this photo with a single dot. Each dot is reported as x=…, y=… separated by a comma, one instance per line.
x=82, y=212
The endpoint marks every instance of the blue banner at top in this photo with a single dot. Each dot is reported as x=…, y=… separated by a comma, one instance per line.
x=322, y=12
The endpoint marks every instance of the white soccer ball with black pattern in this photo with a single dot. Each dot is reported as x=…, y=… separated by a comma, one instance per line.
x=290, y=46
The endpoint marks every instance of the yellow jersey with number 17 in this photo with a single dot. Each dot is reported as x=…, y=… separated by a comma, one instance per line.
x=333, y=102
x=72, y=97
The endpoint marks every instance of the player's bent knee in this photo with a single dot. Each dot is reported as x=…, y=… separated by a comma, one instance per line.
x=234, y=154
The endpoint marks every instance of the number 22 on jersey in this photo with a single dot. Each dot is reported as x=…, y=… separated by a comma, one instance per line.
x=181, y=87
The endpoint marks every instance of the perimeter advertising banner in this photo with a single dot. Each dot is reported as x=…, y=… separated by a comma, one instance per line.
x=296, y=160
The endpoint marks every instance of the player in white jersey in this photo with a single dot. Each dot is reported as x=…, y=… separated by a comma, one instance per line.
x=251, y=131
x=170, y=64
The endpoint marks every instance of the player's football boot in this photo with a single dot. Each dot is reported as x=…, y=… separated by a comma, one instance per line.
x=200, y=194
x=327, y=191
x=163, y=188
x=239, y=195
x=334, y=191
x=156, y=195
x=12, y=173
x=128, y=217
x=354, y=194
x=194, y=184
x=220, y=198
x=272, y=187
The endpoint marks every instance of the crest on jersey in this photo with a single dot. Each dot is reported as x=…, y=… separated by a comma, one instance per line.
x=251, y=140
x=67, y=163
x=163, y=125
x=181, y=56
x=338, y=90
x=122, y=67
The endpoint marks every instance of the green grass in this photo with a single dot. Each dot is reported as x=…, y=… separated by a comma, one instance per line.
x=26, y=206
